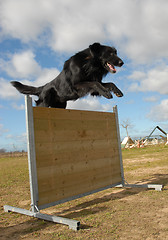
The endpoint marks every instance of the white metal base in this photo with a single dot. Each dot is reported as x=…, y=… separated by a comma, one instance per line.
x=157, y=187
x=73, y=224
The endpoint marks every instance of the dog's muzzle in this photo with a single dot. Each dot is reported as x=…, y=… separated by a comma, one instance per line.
x=120, y=63
x=111, y=68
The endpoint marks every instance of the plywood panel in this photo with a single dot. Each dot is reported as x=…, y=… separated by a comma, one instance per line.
x=76, y=152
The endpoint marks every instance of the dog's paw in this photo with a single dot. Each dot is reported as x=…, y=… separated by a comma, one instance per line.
x=108, y=95
x=118, y=93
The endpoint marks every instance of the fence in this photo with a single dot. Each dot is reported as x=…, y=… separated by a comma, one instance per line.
x=71, y=154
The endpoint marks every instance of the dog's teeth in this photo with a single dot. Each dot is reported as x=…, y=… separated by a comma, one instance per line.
x=110, y=66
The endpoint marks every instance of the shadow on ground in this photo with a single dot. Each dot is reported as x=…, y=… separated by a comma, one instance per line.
x=78, y=211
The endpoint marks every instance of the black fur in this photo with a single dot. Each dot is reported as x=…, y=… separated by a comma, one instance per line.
x=81, y=75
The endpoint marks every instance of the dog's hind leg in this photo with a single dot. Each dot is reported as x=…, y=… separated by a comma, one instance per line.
x=42, y=103
x=48, y=98
x=59, y=105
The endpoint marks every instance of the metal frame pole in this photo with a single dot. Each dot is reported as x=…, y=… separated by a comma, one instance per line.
x=119, y=144
x=31, y=154
x=157, y=187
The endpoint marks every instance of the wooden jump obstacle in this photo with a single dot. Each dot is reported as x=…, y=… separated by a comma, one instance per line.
x=71, y=154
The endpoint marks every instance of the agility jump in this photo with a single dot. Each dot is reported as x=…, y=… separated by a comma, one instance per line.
x=71, y=154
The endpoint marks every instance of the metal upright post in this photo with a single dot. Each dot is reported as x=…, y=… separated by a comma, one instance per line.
x=31, y=154
x=157, y=187
x=119, y=144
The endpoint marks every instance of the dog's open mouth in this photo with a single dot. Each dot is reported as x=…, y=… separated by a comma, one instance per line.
x=110, y=68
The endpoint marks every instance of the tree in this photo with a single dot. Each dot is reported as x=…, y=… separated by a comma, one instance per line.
x=126, y=124
x=2, y=150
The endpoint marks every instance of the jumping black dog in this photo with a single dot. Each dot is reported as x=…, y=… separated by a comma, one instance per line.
x=82, y=74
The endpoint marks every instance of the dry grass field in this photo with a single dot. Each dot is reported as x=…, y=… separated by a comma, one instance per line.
x=110, y=214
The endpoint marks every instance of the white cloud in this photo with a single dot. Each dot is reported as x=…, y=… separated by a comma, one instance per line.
x=25, y=64
x=19, y=138
x=159, y=113
x=89, y=103
x=138, y=28
x=21, y=65
x=46, y=75
x=151, y=99
x=7, y=91
x=21, y=19
x=137, y=75
x=154, y=80
x=17, y=107
x=16, y=142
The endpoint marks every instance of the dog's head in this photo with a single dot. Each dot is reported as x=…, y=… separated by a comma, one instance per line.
x=107, y=55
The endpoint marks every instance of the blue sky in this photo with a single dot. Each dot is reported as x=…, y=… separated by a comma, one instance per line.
x=36, y=37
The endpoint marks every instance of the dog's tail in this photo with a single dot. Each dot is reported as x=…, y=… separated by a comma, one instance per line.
x=25, y=89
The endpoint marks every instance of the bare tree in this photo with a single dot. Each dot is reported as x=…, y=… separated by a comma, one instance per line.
x=2, y=150
x=126, y=124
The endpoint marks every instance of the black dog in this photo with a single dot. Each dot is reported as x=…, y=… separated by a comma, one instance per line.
x=81, y=75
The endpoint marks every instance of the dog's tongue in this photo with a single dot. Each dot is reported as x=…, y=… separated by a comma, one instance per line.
x=111, y=67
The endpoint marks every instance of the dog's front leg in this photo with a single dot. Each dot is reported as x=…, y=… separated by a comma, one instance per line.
x=112, y=87
x=94, y=88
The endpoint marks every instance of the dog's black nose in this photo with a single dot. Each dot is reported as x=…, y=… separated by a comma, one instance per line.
x=120, y=63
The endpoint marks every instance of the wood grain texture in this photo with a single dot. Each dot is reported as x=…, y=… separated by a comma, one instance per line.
x=76, y=152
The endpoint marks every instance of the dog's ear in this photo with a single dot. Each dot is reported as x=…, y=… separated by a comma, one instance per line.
x=95, y=49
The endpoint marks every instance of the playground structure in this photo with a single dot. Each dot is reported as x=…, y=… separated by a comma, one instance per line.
x=71, y=154
x=145, y=141
x=127, y=142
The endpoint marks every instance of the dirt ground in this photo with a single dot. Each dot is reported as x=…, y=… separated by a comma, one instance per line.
x=115, y=213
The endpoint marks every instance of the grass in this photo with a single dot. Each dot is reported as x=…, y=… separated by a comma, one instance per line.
x=152, y=150
x=110, y=214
